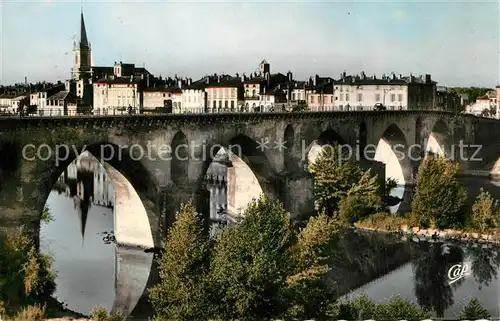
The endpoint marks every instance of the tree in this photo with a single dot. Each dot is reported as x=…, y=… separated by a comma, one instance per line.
x=485, y=212
x=362, y=199
x=265, y=269
x=474, y=311
x=440, y=198
x=334, y=177
x=180, y=293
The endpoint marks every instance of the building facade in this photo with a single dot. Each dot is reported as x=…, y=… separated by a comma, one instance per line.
x=395, y=93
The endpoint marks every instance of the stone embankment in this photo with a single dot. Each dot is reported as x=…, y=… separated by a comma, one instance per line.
x=434, y=234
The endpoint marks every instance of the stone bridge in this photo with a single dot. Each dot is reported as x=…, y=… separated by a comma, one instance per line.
x=139, y=146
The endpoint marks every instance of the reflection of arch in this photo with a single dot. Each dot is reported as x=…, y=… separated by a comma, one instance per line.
x=394, y=138
x=179, y=163
x=439, y=141
x=133, y=171
x=289, y=138
x=247, y=150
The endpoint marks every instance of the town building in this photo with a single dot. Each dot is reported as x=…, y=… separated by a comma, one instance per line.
x=6, y=103
x=38, y=99
x=226, y=94
x=84, y=75
x=19, y=103
x=481, y=107
x=63, y=103
x=116, y=96
x=395, y=93
x=194, y=95
x=320, y=93
x=448, y=100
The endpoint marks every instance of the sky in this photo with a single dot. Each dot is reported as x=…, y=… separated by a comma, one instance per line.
x=457, y=42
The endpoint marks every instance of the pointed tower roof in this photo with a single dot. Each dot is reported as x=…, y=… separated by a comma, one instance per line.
x=84, y=43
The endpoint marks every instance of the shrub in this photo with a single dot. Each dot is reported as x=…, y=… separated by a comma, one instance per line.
x=485, y=212
x=101, y=314
x=30, y=313
x=474, y=311
x=439, y=199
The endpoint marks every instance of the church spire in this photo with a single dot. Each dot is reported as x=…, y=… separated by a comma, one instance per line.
x=84, y=43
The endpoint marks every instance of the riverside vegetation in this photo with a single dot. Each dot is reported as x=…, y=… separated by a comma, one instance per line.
x=266, y=267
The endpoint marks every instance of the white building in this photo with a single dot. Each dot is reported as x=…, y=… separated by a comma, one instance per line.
x=396, y=93
x=116, y=95
x=17, y=102
x=5, y=103
x=225, y=95
x=479, y=106
x=194, y=96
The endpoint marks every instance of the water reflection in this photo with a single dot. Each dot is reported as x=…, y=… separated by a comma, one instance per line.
x=91, y=270
x=424, y=279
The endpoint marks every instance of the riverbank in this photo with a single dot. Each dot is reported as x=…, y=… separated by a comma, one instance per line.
x=392, y=224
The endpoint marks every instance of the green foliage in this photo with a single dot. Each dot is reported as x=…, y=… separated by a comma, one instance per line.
x=101, y=314
x=300, y=108
x=472, y=92
x=342, y=189
x=390, y=184
x=260, y=269
x=474, y=311
x=30, y=313
x=25, y=275
x=364, y=308
x=385, y=221
x=361, y=200
x=180, y=293
x=47, y=217
x=440, y=199
x=485, y=212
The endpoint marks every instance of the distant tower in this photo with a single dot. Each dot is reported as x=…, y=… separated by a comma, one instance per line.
x=82, y=54
x=264, y=67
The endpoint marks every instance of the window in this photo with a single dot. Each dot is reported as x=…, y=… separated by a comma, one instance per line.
x=377, y=97
x=214, y=104
x=360, y=97
x=253, y=93
x=179, y=105
x=232, y=104
x=293, y=96
x=393, y=97
x=331, y=99
x=400, y=97
x=312, y=99
x=341, y=96
x=220, y=103
x=226, y=104
x=347, y=97
x=319, y=99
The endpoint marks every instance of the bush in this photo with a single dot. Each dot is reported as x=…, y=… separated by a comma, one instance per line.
x=30, y=313
x=25, y=274
x=101, y=314
x=364, y=308
x=485, y=212
x=474, y=311
x=440, y=199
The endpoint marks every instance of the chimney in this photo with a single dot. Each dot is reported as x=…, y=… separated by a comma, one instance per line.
x=363, y=75
x=147, y=81
x=290, y=76
x=237, y=75
x=344, y=74
x=393, y=76
x=374, y=76
x=179, y=83
x=400, y=76
x=190, y=81
x=208, y=80
x=427, y=79
x=131, y=78
x=243, y=78
x=218, y=78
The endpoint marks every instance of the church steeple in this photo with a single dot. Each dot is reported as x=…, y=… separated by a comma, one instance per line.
x=84, y=43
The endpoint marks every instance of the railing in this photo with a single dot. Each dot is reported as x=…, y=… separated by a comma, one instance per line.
x=59, y=113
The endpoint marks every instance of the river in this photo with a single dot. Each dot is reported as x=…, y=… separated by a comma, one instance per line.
x=92, y=271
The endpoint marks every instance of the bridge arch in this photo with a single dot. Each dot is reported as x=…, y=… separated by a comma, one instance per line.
x=440, y=141
x=328, y=137
x=179, y=160
x=393, y=150
x=249, y=172
x=129, y=173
